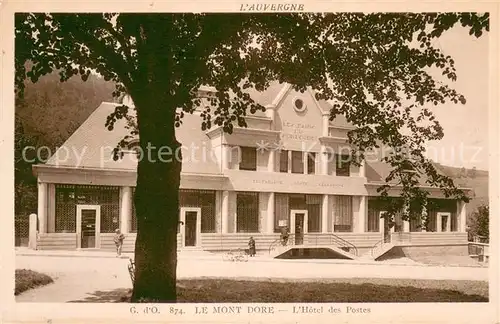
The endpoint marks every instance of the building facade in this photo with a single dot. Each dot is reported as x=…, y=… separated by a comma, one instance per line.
x=287, y=168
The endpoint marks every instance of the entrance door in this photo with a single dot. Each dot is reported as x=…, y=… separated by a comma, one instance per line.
x=443, y=222
x=88, y=226
x=298, y=226
x=191, y=230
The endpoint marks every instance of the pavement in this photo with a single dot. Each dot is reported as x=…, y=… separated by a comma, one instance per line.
x=79, y=274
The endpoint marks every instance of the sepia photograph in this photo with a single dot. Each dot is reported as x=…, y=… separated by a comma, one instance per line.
x=247, y=160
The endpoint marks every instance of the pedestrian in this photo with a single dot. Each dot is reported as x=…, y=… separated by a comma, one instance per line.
x=284, y=235
x=251, y=246
x=118, y=238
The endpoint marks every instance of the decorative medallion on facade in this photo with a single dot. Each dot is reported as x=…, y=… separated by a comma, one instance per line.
x=299, y=105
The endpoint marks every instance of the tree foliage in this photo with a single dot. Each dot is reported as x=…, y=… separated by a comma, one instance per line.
x=47, y=114
x=375, y=67
x=481, y=222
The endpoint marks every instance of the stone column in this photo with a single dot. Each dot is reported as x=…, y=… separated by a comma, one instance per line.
x=362, y=169
x=272, y=161
x=326, y=124
x=42, y=206
x=32, y=243
x=324, y=160
x=381, y=224
x=51, y=210
x=225, y=212
x=125, y=209
x=225, y=156
x=362, y=214
x=462, y=216
x=270, y=214
x=325, y=211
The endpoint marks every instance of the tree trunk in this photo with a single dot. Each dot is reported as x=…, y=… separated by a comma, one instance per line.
x=157, y=204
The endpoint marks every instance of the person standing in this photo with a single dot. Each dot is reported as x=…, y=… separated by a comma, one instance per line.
x=284, y=235
x=251, y=246
x=118, y=239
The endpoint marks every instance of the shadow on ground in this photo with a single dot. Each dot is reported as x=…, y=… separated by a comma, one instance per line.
x=246, y=291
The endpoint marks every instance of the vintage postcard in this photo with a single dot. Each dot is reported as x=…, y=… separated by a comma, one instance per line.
x=253, y=162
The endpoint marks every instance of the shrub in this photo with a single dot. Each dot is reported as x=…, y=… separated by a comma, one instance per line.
x=28, y=279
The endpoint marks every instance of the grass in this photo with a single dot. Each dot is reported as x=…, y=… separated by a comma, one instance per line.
x=449, y=260
x=336, y=290
x=28, y=279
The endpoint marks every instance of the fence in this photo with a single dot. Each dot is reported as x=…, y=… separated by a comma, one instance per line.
x=21, y=229
x=479, y=251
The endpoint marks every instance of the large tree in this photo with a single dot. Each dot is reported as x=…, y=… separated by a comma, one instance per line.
x=375, y=67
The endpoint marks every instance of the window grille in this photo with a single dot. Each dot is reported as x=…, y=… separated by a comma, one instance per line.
x=247, y=212
x=204, y=199
x=281, y=210
x=314, y=218
x=373, y=223
x=343, y=214
x=21, y=229
x=68, y=196
x=283, y=203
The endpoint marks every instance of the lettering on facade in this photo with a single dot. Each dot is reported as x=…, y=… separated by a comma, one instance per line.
x=331, y=185
x=297, y=131
x=270, y=182
x=298, y=183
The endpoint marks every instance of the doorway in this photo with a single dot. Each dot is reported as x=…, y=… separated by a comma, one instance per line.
x=88, y=226
x=298, y=225
x=443, y=222
x=191, y=228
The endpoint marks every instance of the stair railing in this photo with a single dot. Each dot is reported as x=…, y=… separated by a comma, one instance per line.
x=377, y=247
x=343, y=243
x=277, y=243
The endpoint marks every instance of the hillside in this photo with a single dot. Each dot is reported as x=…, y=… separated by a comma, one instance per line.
x=477, y=180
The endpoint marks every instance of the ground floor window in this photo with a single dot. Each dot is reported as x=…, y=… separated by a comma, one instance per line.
x=398, y=222
x=69, y=196
x=343, y=214
x=373, y=221
x=416, y=224
x=284, y=203
x=281, y=211
x=247, y=212
x=204, y=199
x=435, y=206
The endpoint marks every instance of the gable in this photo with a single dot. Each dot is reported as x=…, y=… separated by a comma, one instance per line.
x=300, y=121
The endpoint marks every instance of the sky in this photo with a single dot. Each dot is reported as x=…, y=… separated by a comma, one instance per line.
x=465, y=142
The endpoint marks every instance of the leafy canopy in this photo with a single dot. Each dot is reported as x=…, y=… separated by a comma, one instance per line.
x=375, y=67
